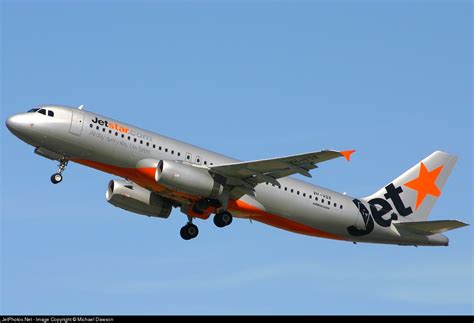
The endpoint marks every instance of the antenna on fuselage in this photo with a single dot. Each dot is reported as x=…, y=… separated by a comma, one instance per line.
x=81, y=106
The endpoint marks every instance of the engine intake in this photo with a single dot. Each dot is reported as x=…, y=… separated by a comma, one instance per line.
x=134, y=198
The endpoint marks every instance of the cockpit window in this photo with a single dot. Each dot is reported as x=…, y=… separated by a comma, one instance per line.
x=50, y=113
x=33, y=110
x=42, y=111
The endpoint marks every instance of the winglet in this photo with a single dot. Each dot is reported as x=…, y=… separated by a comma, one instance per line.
x=347, y=154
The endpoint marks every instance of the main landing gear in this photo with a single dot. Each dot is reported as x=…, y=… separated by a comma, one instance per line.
x=189, y=231
x=222, y=219
x=58, y=177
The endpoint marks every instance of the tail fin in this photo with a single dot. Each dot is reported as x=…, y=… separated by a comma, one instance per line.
x=413, y=194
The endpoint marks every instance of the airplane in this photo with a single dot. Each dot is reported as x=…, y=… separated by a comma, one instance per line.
x=159, y=173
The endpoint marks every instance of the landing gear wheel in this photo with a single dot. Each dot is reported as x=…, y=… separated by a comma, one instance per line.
x=222, y=219
x=189, y=231
x=56, y=178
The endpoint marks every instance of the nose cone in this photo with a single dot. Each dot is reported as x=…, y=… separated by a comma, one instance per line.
x=14, y=123
x=18, y=124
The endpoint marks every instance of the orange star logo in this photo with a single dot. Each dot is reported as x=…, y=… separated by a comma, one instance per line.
x=425, y=183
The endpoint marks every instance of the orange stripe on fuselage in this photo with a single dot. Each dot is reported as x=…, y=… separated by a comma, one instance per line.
x=279, y=221
x=145, y=178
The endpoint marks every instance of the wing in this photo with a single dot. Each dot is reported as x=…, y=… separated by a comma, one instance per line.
x=251, y=173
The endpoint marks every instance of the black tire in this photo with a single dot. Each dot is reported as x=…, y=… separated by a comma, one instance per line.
x=218, y=222
x=222, y=219
x=226, y=218
x=192, y=231
x=189, y=231
x=184, y=234
x=56, y=178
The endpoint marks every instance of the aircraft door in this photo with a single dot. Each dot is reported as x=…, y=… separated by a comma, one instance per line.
x=77, y=122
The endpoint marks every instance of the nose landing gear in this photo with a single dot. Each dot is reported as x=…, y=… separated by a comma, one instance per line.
x=58, y=177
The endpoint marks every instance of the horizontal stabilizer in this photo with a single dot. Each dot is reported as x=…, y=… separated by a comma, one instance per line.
x=430, y=227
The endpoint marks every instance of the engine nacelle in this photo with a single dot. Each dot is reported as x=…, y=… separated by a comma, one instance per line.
x=188, y=179
x=134, y=198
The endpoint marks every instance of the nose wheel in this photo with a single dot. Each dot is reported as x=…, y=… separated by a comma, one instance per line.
x=58, y=177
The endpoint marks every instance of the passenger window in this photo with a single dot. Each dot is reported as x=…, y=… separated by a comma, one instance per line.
x=42, y=111
x=340, y=206
x=335, y=204
x=128, y=138
x=103, y=129
x=116, y=133
x=286, y=188
x=329, y=202
x=134, y=139
x=297, y=192
x=304, y=194
x=316, y=198
x=154, y=146
x=166, y=150
x=159, y=148
x=50, y=113
x=322, y=201
x=148, y=144
x=91, y=125
x=172, y=152
x=123, y=136
x=179, y=154
x=310, y=197
x=291, y=191
x=141, y=142
x=188, y=157
x=110, y=131
x=205, y=162
x=97, y=128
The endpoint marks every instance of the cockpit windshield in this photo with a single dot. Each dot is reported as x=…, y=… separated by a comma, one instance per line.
x=43, y=111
